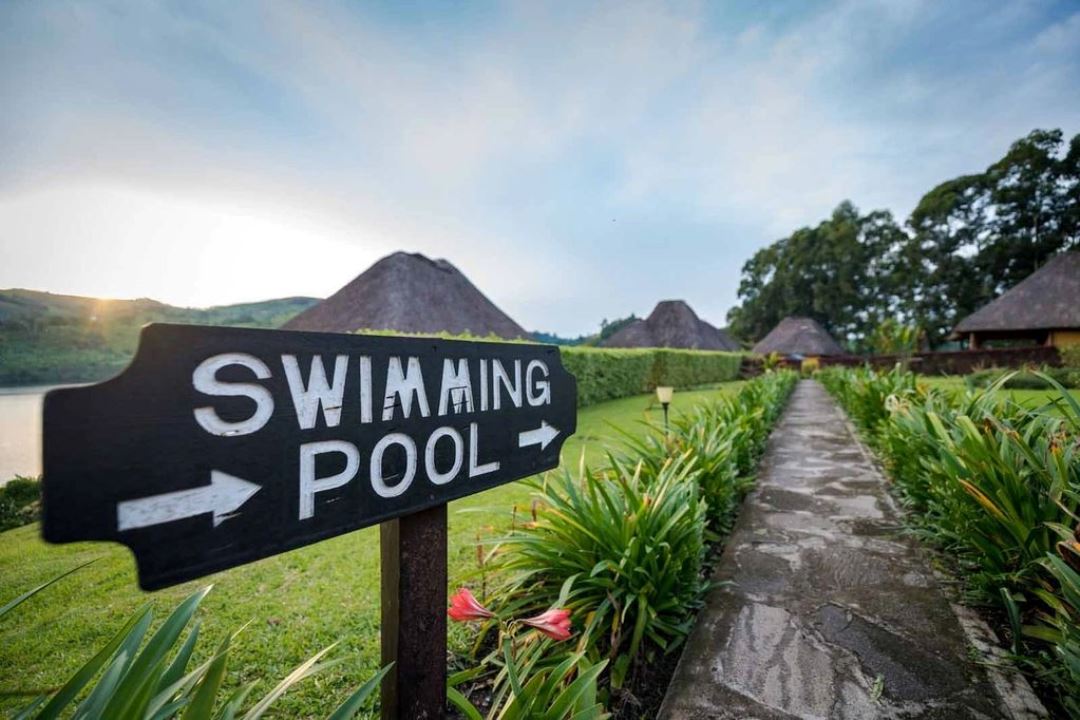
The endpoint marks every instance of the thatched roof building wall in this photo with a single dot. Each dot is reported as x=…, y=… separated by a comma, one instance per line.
x=408, y=292
x=673, y=324
x=1044, y=308
x=799, y=336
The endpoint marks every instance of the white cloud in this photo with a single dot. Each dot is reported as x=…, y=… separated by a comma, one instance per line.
x=551, y=152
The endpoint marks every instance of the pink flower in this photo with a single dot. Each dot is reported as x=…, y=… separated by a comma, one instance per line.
x=555, y=623
x=465, y=607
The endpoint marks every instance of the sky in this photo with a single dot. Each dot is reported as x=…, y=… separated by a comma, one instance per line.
x=576, y=161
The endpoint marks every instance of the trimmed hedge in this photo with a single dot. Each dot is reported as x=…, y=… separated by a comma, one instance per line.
x=610, y=373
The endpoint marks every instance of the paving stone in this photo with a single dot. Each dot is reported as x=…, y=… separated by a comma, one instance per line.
x=826, y=610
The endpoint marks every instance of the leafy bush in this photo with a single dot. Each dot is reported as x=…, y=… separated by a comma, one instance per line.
x=725, y=439
x=624, y=546
x=864, y=393
x=1070, y=356
x=891, y=337
x=604, y=374
x=567, y=691
x=1027, y=379
x=628, y=543
x=610, y=373
x=714, y=448
x=769, y=394
x=152, y=680
x=20, y=502
x=983, y=378
x=687, y=368
x=526, y=687
x=996, y=485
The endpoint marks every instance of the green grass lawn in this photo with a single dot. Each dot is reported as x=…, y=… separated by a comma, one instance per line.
x=1028, y=398
x=296, y=603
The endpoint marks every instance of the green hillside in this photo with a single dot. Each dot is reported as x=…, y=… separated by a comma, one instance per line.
x=47, y=338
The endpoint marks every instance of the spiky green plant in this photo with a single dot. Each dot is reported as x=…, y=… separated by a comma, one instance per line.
x=997, y=485
x=627, y=547
x=139, y=675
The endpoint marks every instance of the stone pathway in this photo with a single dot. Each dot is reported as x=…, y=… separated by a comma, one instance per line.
x=827, y=612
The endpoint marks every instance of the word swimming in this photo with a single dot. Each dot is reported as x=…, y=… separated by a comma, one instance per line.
x=403, y=392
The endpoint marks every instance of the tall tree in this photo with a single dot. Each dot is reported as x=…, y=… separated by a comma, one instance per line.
x=974, y=237
x=968, y=240
x=1030, y=190
x=934, y=272
x=835, y=273
x=607, y=329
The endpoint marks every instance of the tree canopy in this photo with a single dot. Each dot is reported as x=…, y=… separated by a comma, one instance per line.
x=967, y=241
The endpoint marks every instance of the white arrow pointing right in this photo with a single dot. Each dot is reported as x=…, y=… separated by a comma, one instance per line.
x=222, y=497
x=540, y=436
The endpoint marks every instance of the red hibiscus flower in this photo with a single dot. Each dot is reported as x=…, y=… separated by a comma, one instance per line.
x=464, y=607
x=555, y=623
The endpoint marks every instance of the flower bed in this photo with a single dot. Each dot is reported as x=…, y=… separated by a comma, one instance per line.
x=550, y=646
x=995, y=485
x=620, y=550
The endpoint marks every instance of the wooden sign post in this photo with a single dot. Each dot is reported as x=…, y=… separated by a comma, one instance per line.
x=220, y=446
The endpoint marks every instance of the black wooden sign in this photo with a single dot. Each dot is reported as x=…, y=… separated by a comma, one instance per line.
x=219, y=446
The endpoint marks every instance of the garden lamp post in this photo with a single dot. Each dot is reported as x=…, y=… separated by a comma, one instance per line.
x=663, y=394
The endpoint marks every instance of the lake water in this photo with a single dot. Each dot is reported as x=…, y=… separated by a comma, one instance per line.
x=20, y=430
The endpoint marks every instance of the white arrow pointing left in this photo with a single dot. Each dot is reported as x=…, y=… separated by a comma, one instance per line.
x=222, y=497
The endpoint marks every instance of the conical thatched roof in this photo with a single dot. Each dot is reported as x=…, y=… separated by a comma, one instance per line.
x=411, y=293
x=1047, y=299
x=798, y=336
x=672, y=323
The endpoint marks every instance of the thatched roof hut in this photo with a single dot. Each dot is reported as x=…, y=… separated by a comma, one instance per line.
x=1043, y=308
x=408, y=292
x=800, y=336
x=672, y=323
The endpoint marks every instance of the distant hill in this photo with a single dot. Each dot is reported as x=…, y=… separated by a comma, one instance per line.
x=48, y=338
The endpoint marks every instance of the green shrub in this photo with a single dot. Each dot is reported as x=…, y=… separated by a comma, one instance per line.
x=20, y=502
x=1061, y=626
x=624, y=546
x=144, y=676
x=728, y=437
x=713, y=448
x=523, y=684
x=1070, y=356
x=1026, y=379
x=687, y=368
x=604, y=374
x=611, y=373
x=865, y=393
x=533, y=689
x=1066, y=376
x=724, y=439
x=983, y=378
x=628, y=543
x=996, y=485
x=1043, y=379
